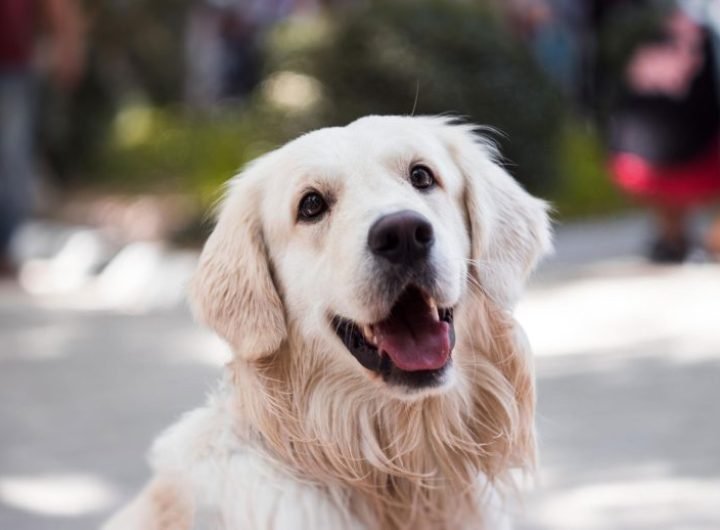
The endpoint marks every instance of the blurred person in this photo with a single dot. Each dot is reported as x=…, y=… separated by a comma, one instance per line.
x=665, y=126
x=665, y=131
x=222, y=46
x=553, y=30
x=22, y=24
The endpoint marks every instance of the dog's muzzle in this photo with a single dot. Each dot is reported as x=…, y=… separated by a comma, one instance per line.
x=412, y=344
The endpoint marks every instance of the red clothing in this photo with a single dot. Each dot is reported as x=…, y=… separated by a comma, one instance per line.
x=17, y=31
x=687, y=184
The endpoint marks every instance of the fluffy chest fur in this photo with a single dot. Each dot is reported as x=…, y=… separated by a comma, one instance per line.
x=275, y=445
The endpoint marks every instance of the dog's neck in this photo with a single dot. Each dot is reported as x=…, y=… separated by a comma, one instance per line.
x=397, y=464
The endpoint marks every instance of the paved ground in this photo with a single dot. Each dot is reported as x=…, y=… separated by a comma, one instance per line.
x=628, y=362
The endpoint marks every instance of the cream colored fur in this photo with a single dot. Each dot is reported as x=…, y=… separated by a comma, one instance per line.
x=300, y=436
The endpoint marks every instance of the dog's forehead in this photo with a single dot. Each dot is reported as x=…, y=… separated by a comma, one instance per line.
x=375, y=139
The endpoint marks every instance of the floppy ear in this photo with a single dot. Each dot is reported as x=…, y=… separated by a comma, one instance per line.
x=509, y=228
x=232, y=291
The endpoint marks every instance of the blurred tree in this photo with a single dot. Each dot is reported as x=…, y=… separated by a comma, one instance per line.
x=141, y=43
x=430, y=57
x=135, y=51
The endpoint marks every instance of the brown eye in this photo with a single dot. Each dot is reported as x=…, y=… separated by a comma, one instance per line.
x=421, y=177
x=312, y=206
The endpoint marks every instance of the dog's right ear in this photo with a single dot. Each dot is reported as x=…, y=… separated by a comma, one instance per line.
x=232, y=291
x=509, y=229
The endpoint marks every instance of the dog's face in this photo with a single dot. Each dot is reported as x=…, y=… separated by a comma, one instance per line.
x=363, y=241
x=367, y=236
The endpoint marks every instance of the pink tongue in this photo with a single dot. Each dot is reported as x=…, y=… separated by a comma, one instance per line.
x=412, y=338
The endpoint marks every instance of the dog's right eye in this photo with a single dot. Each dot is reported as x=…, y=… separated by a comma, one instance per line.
x=312, y=206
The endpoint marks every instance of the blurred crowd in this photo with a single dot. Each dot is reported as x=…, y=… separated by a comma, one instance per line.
x=656, y=98
x=56, y=26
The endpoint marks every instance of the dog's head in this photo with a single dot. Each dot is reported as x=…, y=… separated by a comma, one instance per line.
x=367, y=242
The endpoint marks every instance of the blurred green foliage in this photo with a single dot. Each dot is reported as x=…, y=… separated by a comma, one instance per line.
x=134, y=47
x=139, y=45
x=180, y=150
x=584, y=186
x=426, y=57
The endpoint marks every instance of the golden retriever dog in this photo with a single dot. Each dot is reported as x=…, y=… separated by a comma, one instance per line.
x=365, y=278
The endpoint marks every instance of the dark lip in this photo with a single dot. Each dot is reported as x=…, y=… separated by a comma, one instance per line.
x=350, y=334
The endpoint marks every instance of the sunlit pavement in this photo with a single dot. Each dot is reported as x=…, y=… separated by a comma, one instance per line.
x=628, y=363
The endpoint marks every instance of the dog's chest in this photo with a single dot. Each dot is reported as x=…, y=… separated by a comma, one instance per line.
x=237, y=486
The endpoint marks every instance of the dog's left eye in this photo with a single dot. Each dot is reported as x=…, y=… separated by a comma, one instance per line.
x=312, y=206
x=421, y=177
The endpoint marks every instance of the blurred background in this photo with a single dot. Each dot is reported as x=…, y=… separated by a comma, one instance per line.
x=121, y=119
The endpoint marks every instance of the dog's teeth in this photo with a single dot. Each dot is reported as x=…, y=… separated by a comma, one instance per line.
x=433, y=309
x=369, y=334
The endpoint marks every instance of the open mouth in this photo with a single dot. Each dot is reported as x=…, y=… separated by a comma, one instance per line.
x=412, y=346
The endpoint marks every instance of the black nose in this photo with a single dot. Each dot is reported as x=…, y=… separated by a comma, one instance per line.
x=401, y=237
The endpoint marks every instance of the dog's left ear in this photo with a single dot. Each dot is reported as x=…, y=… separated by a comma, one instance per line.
x=509, y=228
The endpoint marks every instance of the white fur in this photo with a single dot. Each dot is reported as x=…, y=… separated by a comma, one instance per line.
x=300, y=436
